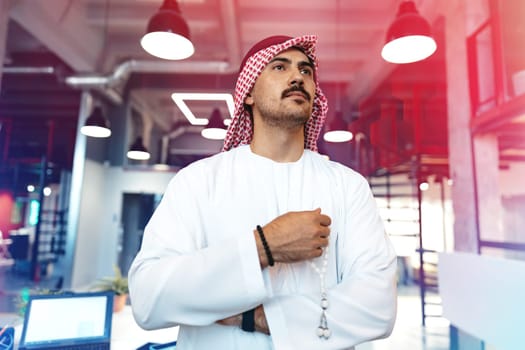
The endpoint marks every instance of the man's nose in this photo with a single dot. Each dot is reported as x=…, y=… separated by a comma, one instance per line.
x=296, y=78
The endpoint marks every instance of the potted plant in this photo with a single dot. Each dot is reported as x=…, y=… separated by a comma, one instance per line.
x=116, y=283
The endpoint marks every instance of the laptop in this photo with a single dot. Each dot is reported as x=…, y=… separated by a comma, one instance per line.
x=80, y=321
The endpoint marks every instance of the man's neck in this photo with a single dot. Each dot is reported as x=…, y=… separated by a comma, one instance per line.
x=278, y=144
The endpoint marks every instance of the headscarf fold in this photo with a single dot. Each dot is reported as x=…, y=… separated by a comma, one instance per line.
x=240, y=130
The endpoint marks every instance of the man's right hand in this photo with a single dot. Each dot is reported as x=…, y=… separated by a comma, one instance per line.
x=295, y=236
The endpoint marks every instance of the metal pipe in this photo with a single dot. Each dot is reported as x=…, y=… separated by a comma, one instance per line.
x=122, y=71
x=28, y=70
x=99, y=85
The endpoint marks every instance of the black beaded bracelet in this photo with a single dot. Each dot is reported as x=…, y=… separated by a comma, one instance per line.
x=248, y=321
x=265, y=245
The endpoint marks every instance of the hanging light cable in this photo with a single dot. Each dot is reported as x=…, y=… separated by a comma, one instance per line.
x=408, y=38
x=337, y=129
x=168, y=34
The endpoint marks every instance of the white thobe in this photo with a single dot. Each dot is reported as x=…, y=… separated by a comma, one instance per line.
x=198, y=262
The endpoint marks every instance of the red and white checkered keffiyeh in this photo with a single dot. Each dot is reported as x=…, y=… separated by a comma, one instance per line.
x=240, y=130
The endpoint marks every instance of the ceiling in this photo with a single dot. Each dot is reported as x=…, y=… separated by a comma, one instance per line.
x=50, y=41
x=51, y=47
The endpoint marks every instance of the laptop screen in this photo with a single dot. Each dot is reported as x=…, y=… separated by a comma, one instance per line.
x=60, y=319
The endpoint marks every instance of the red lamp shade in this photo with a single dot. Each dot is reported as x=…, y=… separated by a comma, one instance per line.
x=409, y=38
x=168, y=34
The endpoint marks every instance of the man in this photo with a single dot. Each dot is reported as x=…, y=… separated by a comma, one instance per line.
x=268, y=245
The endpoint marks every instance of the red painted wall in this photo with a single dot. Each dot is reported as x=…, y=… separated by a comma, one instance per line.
x=6, y=207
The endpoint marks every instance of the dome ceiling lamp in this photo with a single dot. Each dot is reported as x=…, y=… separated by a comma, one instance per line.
x=168, y=35
x=337, y=130
x=409, y=37
x=97, y=125
x=138, y=151
x=215, y=129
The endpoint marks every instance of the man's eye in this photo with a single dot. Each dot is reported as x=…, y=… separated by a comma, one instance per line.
x=306, y=71
x=278, y=67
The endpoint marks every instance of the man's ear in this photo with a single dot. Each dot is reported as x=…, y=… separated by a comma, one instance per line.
x=248, y=100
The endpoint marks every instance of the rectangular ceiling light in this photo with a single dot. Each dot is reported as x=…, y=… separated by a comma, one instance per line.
x=181, y=98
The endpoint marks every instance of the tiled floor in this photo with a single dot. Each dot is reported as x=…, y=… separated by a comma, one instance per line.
x=408, y=334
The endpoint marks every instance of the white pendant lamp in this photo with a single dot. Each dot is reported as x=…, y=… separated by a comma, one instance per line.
x=409, y=38
x=337, y=130
x=138, y=151
x=168, y=34
x=96, y=125
x=214, y=130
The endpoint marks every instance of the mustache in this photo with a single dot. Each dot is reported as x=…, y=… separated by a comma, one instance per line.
x=296, y=88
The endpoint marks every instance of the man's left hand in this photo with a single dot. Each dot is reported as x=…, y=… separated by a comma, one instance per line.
x=260, y=321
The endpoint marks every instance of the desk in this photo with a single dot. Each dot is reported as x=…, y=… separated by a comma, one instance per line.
x=483, y=296
x=125, y=332
x=127, y=335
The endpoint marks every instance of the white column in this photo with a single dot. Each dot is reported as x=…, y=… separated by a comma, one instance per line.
x=459, y=113
x=69, y=264
x=458, y=19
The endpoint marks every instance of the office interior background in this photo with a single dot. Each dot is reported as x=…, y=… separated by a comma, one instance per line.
x=441, y=140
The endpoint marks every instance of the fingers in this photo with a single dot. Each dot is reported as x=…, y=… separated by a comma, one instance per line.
x=322, y=242
x=324, y=219
x=324, y=231
x=296, y=236
x=318, y=252
x=324, y=222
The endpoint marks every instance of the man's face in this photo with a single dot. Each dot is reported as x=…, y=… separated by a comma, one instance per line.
x=283, y=93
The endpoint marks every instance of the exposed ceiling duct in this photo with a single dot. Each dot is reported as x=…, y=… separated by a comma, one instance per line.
x=28, y=70
x=123, y=71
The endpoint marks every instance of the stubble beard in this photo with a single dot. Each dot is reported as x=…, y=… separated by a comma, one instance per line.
x=287, y=119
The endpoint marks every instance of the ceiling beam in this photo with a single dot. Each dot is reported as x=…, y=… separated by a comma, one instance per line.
x=61, y=27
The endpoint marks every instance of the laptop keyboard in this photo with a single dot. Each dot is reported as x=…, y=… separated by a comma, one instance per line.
x=86, y=347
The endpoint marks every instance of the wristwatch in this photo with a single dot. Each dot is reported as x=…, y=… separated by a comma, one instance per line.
x=248, y=321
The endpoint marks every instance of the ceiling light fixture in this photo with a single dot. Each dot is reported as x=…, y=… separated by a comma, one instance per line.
x=408, y=38
x=337, y=130
x=137, y=150
x=96, y=125
x=181, y=98
x=215, y=129
x=168, y=34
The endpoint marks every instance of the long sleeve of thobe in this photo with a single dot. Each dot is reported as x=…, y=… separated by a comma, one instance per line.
x=177, y=279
